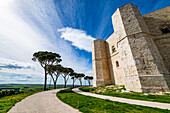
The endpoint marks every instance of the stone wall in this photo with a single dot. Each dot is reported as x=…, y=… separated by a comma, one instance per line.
x=132, y=20
x=146, y=55
x=155, y=83
x=148, y=83
x=157, y=19
x=163, y=44
x=137, y=53
x=132, y=83
x=100, y=64
x=116, y=72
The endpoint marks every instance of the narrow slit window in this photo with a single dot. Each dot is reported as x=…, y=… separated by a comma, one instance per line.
x=113, y=49
x=117, y=64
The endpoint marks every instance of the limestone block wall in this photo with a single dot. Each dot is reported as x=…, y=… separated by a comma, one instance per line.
x=143, y=49
x=155, y=83
x=110, y=65
x=163, y=44
x=157, y=19
x=100, y=64
x=119, y=30
x=132, y=20
x=146, y=55
x=118, y=71
x=132, y=83
x=141, y=59
x=115, y=65
x=138, y=52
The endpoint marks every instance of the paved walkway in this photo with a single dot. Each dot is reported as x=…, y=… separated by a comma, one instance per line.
x=43, y=102
x=124, y=100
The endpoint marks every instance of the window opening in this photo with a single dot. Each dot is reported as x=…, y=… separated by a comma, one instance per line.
x=165, y=28
x=117, y=64
x=113, y=49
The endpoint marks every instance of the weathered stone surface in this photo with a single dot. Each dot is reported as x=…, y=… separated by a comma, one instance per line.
x=155, y=20
x=100, y=63
x=163, y=44
x=155, y=83
x=137, y=54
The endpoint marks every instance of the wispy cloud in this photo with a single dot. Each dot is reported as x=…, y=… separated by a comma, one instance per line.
x=12, y=64
x=19, y=78
x=30, y=26
x=78, y=37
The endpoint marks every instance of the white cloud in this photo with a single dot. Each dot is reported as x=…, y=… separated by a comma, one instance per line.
x=17, y=78
x=79, y=38
x=12, y=64
x=20, y=38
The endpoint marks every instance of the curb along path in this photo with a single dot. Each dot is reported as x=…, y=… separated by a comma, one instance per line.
x=43, y=102
x=124, y=100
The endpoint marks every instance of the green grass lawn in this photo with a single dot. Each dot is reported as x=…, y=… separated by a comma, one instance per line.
x=88, y=104
x=6, y=103
x=115, y=91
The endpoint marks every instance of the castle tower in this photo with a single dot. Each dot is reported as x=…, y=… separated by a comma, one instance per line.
x=101, y=74
x=142, y=64
x=137, y=53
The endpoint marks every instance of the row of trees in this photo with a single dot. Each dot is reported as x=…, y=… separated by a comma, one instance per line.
x=7, y=93
x=50, y=63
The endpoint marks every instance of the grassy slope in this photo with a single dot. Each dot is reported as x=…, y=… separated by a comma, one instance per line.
x=132, y=95
x=6, y=103
x=88, y=104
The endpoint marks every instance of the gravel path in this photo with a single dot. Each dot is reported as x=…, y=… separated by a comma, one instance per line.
x=124, y=100
x=43, y=102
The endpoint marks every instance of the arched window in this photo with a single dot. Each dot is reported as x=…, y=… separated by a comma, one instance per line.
x=117, y=64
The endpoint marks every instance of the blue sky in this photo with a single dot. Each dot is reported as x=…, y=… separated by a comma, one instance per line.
x=67, y=27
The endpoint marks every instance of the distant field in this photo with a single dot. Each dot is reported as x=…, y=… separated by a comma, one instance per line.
x=21, y=87
x=29, y=87
x=11, y=89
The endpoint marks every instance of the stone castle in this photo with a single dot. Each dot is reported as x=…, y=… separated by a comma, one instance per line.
x=137, y=54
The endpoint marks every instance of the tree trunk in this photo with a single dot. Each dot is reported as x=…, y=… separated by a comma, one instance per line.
x=45, y=82
x=65, y=83
x=55, y=84
x=80, y=83
x=73, y=83
x=89, y=82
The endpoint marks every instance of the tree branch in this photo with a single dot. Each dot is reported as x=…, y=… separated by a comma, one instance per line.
x=52, y=77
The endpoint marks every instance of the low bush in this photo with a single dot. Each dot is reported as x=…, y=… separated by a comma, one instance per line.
x=7, y=93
